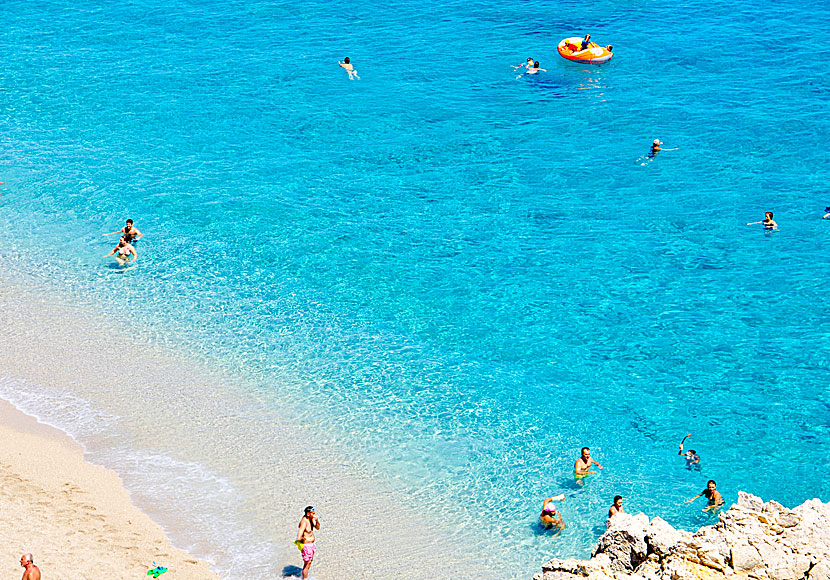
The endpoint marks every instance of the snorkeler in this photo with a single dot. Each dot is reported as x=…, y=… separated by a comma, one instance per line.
x=346, y=64
x=769, y=223
x=550, y=517
x=692, y=458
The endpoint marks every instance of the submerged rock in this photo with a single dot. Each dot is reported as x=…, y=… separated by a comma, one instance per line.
x=752, y=541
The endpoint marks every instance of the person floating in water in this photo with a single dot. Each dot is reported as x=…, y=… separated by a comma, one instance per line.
x=826, y=215
x=532, y=70
x=582, y=467
x=130, y=232
x=346, y=64
x=527, y=64
x=712, y=494
x=769, y=223
x=550, y=517
x=123, y=251
x=655, y=147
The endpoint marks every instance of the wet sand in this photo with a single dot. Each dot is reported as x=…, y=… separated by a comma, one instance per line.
x=74, y=517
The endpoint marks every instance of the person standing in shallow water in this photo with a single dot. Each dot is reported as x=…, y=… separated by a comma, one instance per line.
x=346, y=64
x=306, y=538
x=32, y=572
x=130, y=233
x=582, y=467
x=712, y=494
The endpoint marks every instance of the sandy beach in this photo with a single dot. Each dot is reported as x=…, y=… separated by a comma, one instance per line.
x=74, y=517
x=224, y=476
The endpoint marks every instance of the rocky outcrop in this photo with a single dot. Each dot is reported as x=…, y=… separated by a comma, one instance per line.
x=752, y=541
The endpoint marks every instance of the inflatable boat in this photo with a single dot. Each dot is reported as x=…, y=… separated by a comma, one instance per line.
x=571, y=48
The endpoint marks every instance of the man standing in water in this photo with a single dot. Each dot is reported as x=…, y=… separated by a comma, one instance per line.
x=582, y=467
x=32, y=572
x=712, y=494
x=305, y=537
x=130, y=233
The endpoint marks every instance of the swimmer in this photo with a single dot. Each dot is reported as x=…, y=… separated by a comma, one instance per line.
x=130, y=232
x=769, y=223
x=826, y=215
x=582, y=467
x=532, y=70
x=615, y=509
x=124, y=250
x=346, y=64
x=655, y=147
x=692, y=460
x=610, y=48
x=712, y=494
x=527, y=64
x=549, y=517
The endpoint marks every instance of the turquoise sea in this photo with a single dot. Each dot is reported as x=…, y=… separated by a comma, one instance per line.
x=460, y=276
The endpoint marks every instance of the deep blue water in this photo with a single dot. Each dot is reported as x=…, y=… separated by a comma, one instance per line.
x=468, y=275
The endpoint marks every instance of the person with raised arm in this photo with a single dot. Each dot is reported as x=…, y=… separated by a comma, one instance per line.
x=769, y=223
x=550, y=516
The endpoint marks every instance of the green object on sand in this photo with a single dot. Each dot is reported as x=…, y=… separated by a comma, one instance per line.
x=157, y=571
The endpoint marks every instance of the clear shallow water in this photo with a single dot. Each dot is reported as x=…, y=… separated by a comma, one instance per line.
x=462, y=276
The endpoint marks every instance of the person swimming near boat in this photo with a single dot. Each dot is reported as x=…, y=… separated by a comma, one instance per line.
x=532, y=70
x=527, y=64
x=550, y=517
x=130, y=232
x=769, y=223
x=123, y=251
x=346, y=64
x=582, y=467
x=656, y=147
x=712, y=494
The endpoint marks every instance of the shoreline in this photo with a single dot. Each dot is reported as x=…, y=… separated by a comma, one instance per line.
x=73, y=515
x=205, y=456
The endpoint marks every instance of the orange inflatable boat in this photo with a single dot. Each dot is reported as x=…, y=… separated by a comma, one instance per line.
x=571, y=48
